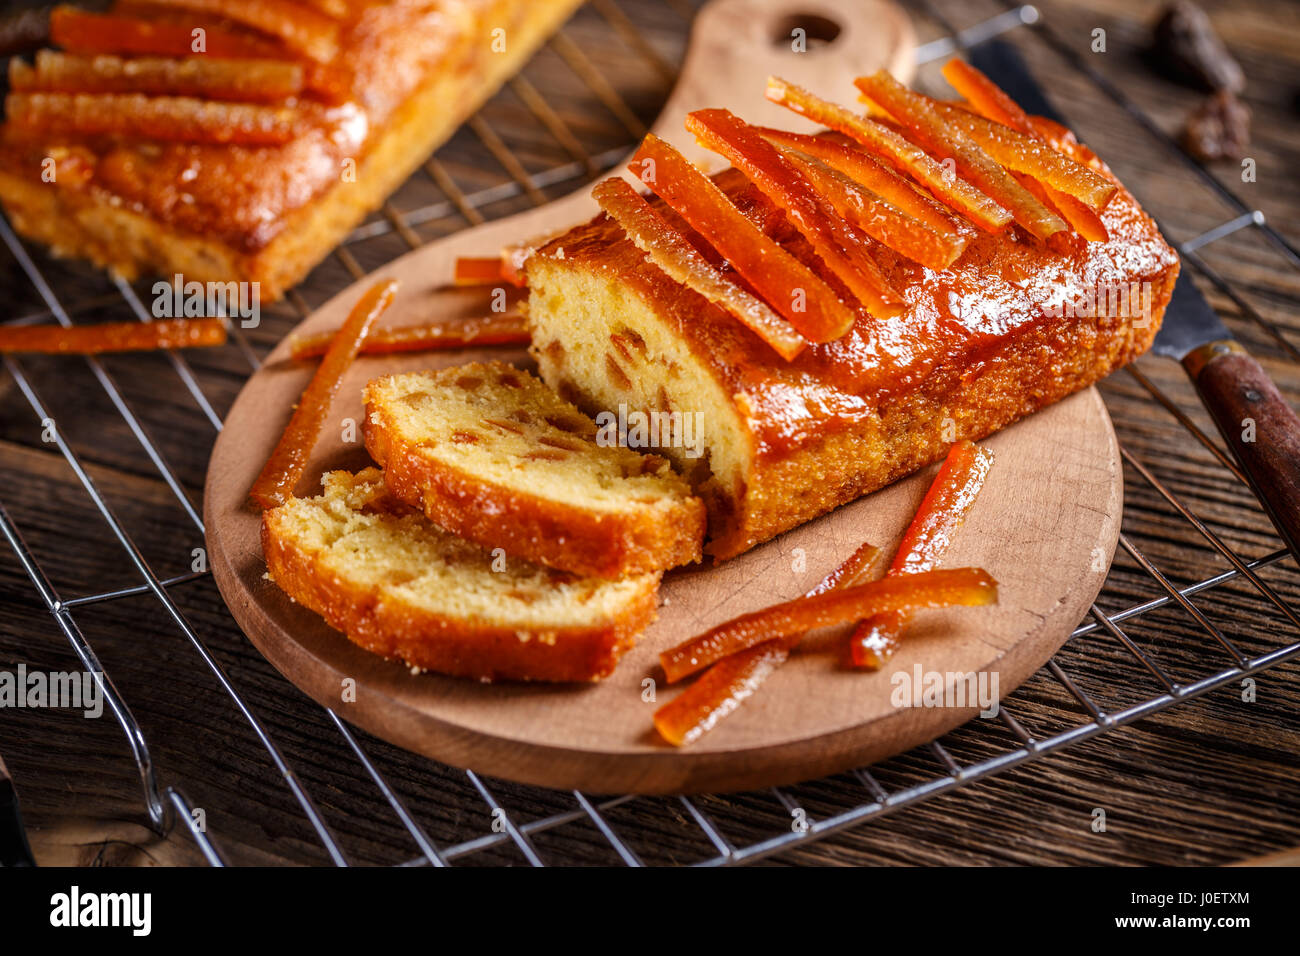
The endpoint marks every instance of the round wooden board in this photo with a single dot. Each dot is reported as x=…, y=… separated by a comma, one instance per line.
x=1045, y=526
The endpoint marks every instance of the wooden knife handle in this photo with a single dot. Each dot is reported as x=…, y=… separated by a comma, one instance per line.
x=1259, y=426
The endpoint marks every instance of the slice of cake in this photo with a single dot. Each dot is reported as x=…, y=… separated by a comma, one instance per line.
x=399, y=586
x=1002, y=324
x=492, y=454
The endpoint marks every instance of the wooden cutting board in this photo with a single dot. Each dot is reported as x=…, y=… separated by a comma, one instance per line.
x=1045, y=526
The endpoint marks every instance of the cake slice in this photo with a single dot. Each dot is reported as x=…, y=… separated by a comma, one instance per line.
x=492, y=454
x=399, y=586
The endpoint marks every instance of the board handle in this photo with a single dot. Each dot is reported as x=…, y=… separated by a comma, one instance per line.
x=736, y=44
x=1261, y=429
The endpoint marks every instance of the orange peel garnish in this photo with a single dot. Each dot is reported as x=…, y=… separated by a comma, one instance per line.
x=927, y=589
x=673, y=253
x=942, y=511
x=506, y=328
x=180, y=119
x=915, y=113
x=280, y=476
x=907, y=157
x=220, y=79
x=726, y=684
x=113, y=337
x=779, y=278
x=837, y=243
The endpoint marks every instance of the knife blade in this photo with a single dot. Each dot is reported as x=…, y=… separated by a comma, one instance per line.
x=1258, y=425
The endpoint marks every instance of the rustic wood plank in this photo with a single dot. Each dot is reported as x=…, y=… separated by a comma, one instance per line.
x=1211, y=782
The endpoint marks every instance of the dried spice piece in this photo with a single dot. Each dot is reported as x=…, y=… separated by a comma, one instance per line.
x=941, y=139
x=905, y=156
x=179, y=119
x=276, y=484
x=298, y=27
x=942, y=511
x=841, y=247
x=507, y=328
x=673, y=253
x=790, y=287
x=927, y=589
x=727, y=684
x=113, y=337
x=1186, y=47
x=1218, y=129
x=234, y=79
x=22, y=31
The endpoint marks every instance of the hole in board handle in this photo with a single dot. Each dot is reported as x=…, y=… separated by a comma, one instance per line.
x=811, y=29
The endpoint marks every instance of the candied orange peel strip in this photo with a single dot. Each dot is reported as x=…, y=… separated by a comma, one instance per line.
x=991, y=102
x=179, y=119
x=113, y=337
x=718, y=692
x=875, y=217
x=779, y=278
x=233, y=79
x=280, y=476
x=1031, y=155
x=928, y=589
x=863, y=169
x=727, y=684
x=80, y=31
x=987, y=97
x=942, y=511
x=299, y=27
x=907, y=157
x=482, y=270
x=506, y=328
x=673, y=253
x=837, y=243
x=942, y=139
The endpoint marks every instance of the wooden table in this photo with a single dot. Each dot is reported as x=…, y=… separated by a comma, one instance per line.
x=1206, y=781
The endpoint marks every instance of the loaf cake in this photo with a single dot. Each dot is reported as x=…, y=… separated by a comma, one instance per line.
x=399, y=586
x=251, y=158
x=492, y=454
x=1013, y=322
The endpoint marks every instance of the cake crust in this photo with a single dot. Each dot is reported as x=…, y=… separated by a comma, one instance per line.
x=513, y=513
x=481, y=646
x=994, y=337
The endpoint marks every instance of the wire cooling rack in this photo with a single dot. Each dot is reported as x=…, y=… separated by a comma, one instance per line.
x=437, y=201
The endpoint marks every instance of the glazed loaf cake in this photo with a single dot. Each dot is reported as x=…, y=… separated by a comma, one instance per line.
x=492, y=454
x=400, y=586
x=252, y=158
x=974, y=346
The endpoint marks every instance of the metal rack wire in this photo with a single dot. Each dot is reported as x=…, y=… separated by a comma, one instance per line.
x=165, y=802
